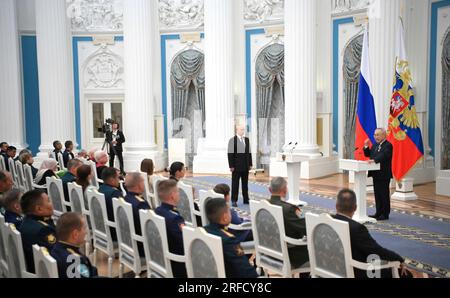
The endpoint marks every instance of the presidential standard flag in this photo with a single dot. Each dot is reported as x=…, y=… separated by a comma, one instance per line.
x=403, y=128
x=366, y=122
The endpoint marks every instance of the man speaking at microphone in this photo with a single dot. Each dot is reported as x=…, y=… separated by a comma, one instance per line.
x=240, y=163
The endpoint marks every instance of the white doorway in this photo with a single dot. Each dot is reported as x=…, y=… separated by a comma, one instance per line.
x=98, y=110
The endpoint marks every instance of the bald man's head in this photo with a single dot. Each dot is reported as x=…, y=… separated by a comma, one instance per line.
x=134, y=182
x=380, y=135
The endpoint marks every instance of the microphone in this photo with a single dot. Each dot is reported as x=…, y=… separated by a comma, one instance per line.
x=286, y=146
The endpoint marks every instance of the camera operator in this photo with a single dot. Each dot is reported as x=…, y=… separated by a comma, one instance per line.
x=115, y=139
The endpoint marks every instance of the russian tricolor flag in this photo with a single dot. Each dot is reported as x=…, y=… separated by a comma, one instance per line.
x=366, y=122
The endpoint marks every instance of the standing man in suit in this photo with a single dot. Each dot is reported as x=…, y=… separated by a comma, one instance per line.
x=381, y=153
x=240, y=163
x=68, y=154
x=115, y=139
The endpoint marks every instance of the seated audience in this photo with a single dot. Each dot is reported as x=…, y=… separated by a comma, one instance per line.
x=236, y=263
x=48, y=168
x=242, y=236
x=68, y=154
x=177, y=171
x=71, y=232
x=70, y=175
x=101, y=158
x=110, y=188
x=135, y=186
x=6, y=184
x=13, y=211
x=362, y=243
x=295, y=227
x=83, y=155
x=10, y=153
x=84, y=178
x=3, y=147
x=37, y=226
x=148, y=168
x=27, y=158
x=57, y=148
x=169, y=196
x=91, y=154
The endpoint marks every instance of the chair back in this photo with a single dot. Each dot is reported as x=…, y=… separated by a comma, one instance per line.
x=204, y=197
x=156, y=180
x=186, y=204
x=28, y=177
x=204, y=254
x=56, y=194
x=99, y=222
x=2, y=164
x=156, y=245
x=45, y=264
x=126, y=235
x=13, y=171
x=16, y=257
x=94, y=179
x=329, y=247
x=20, y=176
x=76, y=198
x=60, y=159
x=4, y=271
x=268, y=233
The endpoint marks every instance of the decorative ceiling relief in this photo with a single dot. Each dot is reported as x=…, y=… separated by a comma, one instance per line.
x=181, y=14
x=104, y=69
x=95, y=15
x=347, y=6
x=261, y=11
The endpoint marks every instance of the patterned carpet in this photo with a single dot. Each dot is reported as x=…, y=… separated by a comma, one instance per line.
x=423, y=241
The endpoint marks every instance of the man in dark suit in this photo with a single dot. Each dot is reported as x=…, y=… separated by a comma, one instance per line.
x=70, y=176
x=68, y=154
x=240, y=163
x=381, y=153
x=115, y=139
x=294, y=225
x=362, y=243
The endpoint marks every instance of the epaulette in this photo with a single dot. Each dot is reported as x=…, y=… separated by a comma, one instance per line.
x=72, y=252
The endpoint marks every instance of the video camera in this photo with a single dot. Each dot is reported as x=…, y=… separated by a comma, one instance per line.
x=107, y=126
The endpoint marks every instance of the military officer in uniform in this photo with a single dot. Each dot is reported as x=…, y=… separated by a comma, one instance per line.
x=236, y=263
x=71, y=232
x=37, y=226
x=110, y=188
x=13, y=212
x=294, y=224
x=169, y=196
x=134, y=182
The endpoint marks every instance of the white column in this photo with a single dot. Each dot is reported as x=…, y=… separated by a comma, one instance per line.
x=56, y=93
x=382, y=41
x=219, y=44
x=11, y=112
x=300, y=69
x=139, y=31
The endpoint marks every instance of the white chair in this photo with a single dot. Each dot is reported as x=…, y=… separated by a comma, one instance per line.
x=4, y=268
x=2, y=164
x=204, y=254
x=44, y=264
x=148, y=195
x=20, y=176
x=156, y=246
x=186, y=204
x=156, y=180
x=56, y=194
x=330, y=251
x=127, y=238
x=95, y=181
x=101, y=227
x=29, y=182
x=61, y=161
x=13, y=171
x=204, y=197
x=16, y=258
x=122, y=188
x=79, y=204
x=271, y=242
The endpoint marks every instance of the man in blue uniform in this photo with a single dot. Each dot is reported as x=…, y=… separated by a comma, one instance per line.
x=37, y=226
x=70, y=176
x=110, y=188
x=236, y=263
x=169, y=196
x=13, y=212
x=134, y=183
x=71, y=232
